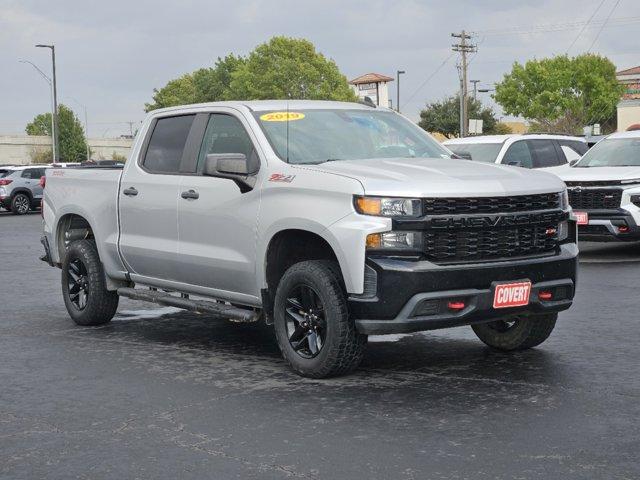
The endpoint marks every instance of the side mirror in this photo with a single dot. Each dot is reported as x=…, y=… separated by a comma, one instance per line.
x=514, y=163
x=233, y=166
x=573, y=162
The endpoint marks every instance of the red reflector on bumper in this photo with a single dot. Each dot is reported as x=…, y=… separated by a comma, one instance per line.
x=455, y=305
x=545, y=295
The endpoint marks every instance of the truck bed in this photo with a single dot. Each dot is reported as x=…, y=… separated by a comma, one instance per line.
x=92, y=192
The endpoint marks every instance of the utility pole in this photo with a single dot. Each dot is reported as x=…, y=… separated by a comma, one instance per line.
x=398, y=73
x=475, y=87
x=463, y=47
x=55, y=132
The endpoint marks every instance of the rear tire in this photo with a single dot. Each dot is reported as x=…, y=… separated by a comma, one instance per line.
x=313, y=329
x=83, y=286
x=516, y=333
x=20, y=204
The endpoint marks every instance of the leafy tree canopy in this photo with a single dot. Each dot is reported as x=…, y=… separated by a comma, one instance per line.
x=444, y=116
x=73, y=146
x=281, y=68
x=561, y=93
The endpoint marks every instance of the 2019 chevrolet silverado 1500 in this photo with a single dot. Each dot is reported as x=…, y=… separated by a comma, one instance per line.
x=332, y=220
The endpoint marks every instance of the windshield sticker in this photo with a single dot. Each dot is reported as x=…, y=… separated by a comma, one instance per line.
x=281, y=116
x=280, y=177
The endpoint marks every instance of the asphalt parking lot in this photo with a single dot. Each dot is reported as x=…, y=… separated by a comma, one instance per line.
x=159, y=393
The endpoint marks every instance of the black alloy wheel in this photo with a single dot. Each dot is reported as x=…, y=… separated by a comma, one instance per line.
x=306, y=325
x=78, y=283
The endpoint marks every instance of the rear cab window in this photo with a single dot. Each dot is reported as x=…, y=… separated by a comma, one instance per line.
x=167, y=144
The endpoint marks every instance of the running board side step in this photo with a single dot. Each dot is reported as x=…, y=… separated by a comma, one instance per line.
x=199, y=306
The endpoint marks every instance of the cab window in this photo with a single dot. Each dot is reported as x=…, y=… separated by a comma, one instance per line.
x=167, y=144
x=226, y=134
x=518, y=154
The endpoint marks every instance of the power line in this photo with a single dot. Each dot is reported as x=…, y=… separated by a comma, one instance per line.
x=585, y=26
x=545, y=28
x=433, y=74
x=604, y=24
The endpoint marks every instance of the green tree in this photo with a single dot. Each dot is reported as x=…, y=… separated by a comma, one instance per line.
x=203, y=85
x=444, y=116
x=561, y=93
x=289, y=68
x=281, y=68
x=71, y=137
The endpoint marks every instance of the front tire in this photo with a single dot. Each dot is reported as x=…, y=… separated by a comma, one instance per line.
x=20, y=204
x=83, y=286
x=516, y=333
x=313, y=329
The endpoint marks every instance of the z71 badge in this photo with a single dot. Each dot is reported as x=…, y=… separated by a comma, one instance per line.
x=279, y=177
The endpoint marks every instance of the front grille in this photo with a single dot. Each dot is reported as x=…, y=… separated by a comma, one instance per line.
x=465, y=245
x=519, y=203
x=596, y=183
x=595, y=199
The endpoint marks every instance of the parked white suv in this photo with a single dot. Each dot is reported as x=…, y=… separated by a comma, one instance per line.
x=534, y=150
x=604, y=189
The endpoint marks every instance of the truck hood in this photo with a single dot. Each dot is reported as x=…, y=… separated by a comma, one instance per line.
x=426, y=177
x=577, y=174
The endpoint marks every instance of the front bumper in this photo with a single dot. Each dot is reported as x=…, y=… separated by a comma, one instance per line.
x=605, y=226
x=412, y=296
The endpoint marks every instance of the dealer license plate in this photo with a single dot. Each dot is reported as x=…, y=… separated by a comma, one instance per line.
x=582, y=218
x=511, y=294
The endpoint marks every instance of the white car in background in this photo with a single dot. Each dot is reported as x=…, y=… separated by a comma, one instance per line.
x=604, y=189
x=534, y=150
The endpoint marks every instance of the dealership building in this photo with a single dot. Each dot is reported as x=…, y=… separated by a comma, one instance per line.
x=629, y=106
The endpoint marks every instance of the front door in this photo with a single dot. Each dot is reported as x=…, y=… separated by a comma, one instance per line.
x=149, y=198
x=216, y=221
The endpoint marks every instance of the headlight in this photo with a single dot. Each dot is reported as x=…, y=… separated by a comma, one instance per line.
x=564, y=199
x=395, y=241
x=388, y=207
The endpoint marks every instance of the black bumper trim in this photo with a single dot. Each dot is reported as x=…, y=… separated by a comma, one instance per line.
x=47, y=251
x=478, y=309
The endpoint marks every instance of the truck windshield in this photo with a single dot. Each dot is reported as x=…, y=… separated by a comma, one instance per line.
x=480, y=152
x=318, y=136
x=612, y=152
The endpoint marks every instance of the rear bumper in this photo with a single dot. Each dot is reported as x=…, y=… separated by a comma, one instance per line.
x=604, y=226
x=413, y=295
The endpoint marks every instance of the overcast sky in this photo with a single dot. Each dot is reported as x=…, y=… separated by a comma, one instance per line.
x=111, y=54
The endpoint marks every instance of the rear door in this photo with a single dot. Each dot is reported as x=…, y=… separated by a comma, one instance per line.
x=217, y=222
x=30, y=178
x=148, y=199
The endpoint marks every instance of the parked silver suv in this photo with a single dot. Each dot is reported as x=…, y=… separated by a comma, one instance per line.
x=20, y=188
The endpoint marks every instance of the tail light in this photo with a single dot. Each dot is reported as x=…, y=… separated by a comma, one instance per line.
x=5, y=182
x=43, y=181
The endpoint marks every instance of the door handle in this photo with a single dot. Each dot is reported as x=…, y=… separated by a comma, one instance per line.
x=130, y=192
x=190, y=195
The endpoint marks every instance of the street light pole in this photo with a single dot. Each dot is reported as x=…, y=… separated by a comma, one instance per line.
x=44, y=75
x=56, y=141
x=398, y=73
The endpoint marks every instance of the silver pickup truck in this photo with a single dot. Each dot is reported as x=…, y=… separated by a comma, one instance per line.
x=333, y=221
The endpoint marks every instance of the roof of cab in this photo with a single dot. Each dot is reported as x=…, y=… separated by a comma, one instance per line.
x=269, y=105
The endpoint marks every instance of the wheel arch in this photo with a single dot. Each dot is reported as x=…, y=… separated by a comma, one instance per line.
x=288, y=246
x=70, y=227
